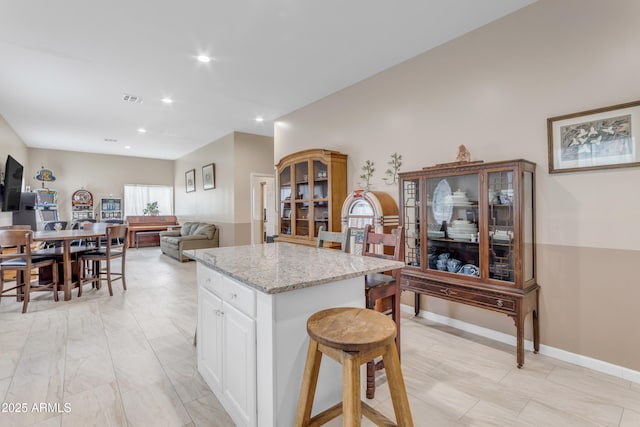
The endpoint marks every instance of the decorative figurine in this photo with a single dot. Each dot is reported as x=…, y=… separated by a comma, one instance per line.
x=463, y=154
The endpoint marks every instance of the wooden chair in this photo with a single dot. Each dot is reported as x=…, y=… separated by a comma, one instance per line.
x=115, y=247
x=23, y=263
x=334, y=237
x=382, y=291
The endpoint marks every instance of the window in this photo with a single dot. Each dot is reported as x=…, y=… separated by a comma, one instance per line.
x=137, y=196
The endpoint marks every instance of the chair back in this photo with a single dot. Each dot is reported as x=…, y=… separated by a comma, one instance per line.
x=116, y=237
x=334, y=237
x=387, y=246
x=21, y=239
x=51, y=225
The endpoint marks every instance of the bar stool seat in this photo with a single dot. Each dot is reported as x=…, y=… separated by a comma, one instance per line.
x=352, y=337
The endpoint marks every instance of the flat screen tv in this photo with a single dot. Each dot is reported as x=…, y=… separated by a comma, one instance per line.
x=12, y=185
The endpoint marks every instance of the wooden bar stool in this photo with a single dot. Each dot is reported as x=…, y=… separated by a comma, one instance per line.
x=352, y=336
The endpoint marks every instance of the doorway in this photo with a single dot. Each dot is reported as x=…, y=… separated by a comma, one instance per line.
x=263, y=208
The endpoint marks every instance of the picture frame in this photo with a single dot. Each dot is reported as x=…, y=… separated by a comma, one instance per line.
x=603, y=138
x=209, y=176
x=190, y=180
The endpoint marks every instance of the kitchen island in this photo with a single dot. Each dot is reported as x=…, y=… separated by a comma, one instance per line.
x=253, y=304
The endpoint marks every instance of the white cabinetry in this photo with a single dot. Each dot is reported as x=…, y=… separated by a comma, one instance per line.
x=227, y=343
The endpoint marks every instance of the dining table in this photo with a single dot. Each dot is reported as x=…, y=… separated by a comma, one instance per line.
x=66, y=237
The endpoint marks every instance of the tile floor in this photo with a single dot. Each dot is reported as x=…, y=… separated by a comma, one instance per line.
x=128, y=360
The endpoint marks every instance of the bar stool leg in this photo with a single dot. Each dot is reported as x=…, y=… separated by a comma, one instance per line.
x=351, y=408
x=309, y=382
x=396, y=386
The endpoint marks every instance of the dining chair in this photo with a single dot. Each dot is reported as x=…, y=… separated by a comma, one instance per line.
x=334, y=237
x=24, y=263
x=115, y=247
x=51, y=226
x=382, y=291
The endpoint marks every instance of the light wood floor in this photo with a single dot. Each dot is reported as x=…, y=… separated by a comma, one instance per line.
x=128, y=360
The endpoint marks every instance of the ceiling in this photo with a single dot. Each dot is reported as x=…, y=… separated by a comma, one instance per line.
x=67, y=64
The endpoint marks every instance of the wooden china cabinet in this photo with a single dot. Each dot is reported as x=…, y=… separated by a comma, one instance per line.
x=312, y=184
x=470, y=238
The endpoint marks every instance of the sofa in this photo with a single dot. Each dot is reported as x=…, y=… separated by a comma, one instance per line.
x=192, y=235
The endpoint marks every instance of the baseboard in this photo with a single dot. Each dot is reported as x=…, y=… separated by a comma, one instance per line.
x=556, y=353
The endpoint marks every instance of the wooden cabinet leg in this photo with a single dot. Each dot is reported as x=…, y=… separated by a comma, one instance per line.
x=519, y=321
x=536, y=325
x=416, y=303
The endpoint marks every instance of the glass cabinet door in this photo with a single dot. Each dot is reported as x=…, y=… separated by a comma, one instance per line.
x=284, y=180
x=302, y=199
x=320, y=179
x=411, y=221
x=452, y=224
x=501, y=225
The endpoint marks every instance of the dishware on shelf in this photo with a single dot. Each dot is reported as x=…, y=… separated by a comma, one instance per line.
x=469, y=270
x=453, y=265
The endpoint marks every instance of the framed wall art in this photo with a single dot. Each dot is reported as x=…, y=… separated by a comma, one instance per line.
x=190, y=180
x=603, y=138
x=209, y=176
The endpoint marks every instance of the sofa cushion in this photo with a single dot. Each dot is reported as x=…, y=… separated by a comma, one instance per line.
x=188, y=227
x=172, y=241
x=205, y=229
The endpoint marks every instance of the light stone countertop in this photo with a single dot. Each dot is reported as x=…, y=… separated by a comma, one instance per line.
x=280, y=267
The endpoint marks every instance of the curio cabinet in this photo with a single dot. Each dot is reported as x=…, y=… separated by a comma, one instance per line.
x=312, y=184
x=470, y=238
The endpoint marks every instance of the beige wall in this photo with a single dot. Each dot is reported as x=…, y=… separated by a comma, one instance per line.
x=493, y=90
x=103, y=175
x=235, y=156
x=10, y=143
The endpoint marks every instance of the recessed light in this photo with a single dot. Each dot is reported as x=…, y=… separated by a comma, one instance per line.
x=127, y=147
x=259, y=119
x=203, y=58
x=167, y=100
x=142, y=130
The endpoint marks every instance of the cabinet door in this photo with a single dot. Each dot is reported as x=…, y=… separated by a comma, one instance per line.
x=302, y=199
x=210, y=338
x=453, y=224
x=284, y=181
x=411, y=220
x=320, y=196
x=239, y=365
x=501, y=221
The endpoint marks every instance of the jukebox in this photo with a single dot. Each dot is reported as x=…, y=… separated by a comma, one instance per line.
x=363, y=207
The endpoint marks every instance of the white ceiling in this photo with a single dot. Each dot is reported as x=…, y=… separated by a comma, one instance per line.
x=64, y=65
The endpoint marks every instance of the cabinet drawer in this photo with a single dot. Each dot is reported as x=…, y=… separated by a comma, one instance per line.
x=210, y=279
x=491, y=300
x=239, y=296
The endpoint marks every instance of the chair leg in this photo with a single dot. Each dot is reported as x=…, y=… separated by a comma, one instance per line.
x=396, y=387
x=81, y=276
x=55, y=278
x=124, y=283
x=108, y=262
x=27, y=290
x=309, y=383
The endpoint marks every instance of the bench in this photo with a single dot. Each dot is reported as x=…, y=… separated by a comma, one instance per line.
x=148, y=238
x=149, y=227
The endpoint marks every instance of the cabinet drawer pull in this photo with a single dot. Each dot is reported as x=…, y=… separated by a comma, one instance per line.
x=232, y=295
x=499, y=303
